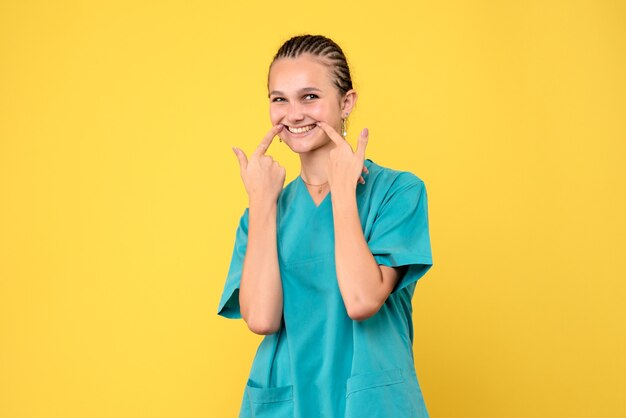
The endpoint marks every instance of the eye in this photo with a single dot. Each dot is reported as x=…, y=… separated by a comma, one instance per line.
x=312, y=96
x=277, y=99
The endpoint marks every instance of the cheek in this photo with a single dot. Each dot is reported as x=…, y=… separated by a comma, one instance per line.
x=319, y=112
x=276, y=114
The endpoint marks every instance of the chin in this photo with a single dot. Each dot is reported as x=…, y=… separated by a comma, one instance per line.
x=302, y=147
x=299, y=148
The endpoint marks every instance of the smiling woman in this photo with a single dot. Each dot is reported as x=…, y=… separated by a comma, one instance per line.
x=326, y=266
x=303, y=92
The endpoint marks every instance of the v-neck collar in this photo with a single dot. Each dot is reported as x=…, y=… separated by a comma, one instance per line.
x=309, y=198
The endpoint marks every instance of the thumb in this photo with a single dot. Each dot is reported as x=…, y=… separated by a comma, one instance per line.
x=241, y=157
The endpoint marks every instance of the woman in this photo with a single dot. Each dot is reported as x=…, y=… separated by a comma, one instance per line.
x=326, y=267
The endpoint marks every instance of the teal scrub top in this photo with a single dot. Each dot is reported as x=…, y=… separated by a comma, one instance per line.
x=321, y=363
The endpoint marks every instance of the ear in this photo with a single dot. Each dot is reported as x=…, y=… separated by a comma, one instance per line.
x=348, y=101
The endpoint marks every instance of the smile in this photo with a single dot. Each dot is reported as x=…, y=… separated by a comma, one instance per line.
x=300, y=130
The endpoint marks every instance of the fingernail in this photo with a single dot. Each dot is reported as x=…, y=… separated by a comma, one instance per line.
x=366, y=132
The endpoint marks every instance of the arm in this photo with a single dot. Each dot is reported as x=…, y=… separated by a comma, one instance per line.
x=364, y=285
x=261, y=292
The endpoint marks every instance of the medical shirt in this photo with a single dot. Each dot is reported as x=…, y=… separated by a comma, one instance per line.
x=321, y=363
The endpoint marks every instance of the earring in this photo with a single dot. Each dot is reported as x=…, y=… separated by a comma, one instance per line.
x=344, y=131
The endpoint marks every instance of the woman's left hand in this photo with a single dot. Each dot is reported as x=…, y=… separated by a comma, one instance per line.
x=345, y=167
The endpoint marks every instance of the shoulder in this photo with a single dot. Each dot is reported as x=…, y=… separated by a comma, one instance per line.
x=289, y=193
x=389, y=181
x=243, y=221
x=290, y=187
x=284, y=199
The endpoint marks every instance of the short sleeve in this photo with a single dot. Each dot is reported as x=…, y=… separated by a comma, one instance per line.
x=229, y=302
x=400, y=234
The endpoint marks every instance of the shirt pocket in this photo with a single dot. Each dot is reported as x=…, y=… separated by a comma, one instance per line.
x=385, y=393
x=270, y=402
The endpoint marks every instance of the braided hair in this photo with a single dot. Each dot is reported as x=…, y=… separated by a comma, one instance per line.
x=324, y=48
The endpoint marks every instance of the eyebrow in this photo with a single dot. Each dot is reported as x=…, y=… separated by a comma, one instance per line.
x=305, y=89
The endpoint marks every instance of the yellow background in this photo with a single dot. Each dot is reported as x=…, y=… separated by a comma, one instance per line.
x=120, y=195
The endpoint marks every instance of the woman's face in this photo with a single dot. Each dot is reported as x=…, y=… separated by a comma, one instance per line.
x=301, y=93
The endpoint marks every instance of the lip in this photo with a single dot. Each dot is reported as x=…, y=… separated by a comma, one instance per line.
x=295, y=135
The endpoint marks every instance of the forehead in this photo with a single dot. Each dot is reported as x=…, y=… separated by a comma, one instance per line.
x=303, y=71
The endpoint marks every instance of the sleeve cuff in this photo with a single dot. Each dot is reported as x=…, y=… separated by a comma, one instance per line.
x=229, y=305
x=417, y=267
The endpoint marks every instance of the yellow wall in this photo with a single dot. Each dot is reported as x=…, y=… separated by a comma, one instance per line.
x=120, y=195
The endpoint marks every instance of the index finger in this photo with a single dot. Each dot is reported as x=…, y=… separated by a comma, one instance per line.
x=267, y=140
x=332, y=134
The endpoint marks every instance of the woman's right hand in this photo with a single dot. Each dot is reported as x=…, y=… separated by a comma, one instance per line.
x=262, y=177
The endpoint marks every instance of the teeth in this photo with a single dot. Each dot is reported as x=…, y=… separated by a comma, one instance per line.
x=301, y=130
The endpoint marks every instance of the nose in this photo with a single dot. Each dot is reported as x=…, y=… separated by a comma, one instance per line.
x=294, y=112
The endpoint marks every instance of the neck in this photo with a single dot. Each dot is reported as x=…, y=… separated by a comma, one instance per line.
x=313, y=164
